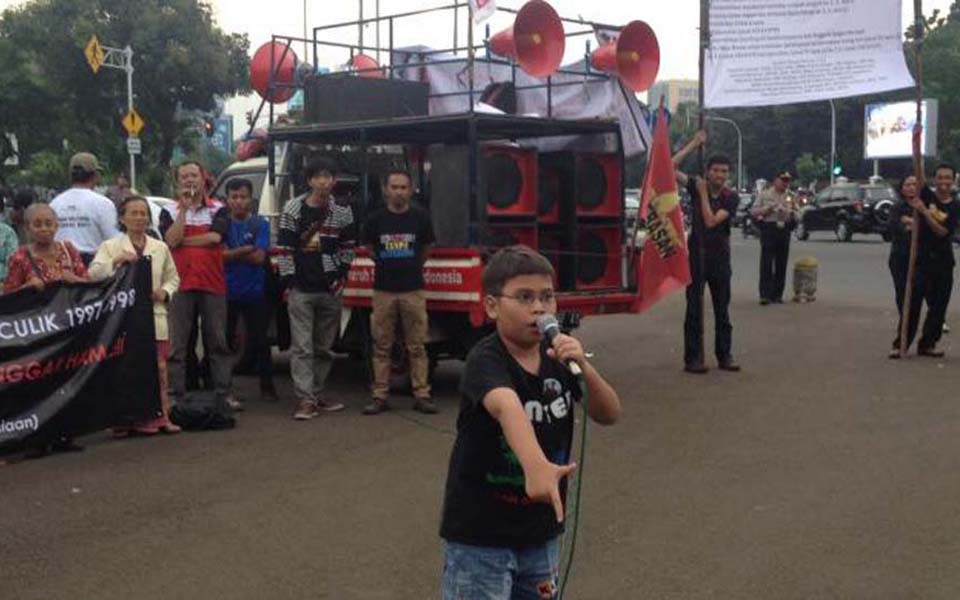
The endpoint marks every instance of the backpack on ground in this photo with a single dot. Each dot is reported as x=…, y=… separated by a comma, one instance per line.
x=202, y=410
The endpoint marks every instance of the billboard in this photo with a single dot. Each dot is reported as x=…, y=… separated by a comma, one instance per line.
x=888, y=129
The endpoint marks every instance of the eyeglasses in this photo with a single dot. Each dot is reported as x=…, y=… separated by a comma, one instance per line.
x=529, y=297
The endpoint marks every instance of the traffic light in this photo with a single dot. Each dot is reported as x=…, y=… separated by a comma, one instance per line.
x=209, y=127
x=837, y=169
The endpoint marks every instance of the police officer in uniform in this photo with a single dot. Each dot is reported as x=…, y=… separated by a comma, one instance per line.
x=713, y=204
x=776, y=214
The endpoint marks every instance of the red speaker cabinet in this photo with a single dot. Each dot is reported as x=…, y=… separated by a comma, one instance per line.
x=499, y=235
x=599, y=253
x=599, y=185
x=510, y=181
x=551, y=243
x=548, y=207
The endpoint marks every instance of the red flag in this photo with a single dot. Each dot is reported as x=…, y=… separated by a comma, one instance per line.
x=663, y=266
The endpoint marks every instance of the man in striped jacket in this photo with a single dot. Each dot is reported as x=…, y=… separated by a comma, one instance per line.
x=317, y=237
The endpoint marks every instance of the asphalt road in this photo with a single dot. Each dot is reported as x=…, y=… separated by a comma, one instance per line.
x=823, y=470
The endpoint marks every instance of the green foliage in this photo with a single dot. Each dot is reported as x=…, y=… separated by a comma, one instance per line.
x=941, y=80
x=49, y=94
x=810, y=168
x=47, y=169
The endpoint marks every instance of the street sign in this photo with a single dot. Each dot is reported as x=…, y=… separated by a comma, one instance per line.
x=133, y=123
x=94, y=53
x=133, y=145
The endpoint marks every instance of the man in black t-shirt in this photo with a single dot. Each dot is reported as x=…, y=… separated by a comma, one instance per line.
x=504, y=501
x=938, y=212
x=317, y=240
x=398, y=238
x=713, y=204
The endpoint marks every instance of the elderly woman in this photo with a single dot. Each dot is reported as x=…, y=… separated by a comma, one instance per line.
x=38, y=262
x=129, y=247
x=42, y=260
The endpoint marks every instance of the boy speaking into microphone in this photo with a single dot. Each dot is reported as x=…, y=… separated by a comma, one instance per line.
x=506, y=485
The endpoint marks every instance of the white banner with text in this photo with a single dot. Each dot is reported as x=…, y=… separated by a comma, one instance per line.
x=767, y=52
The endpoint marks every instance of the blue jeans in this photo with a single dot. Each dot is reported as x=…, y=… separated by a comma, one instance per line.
x=484, y=573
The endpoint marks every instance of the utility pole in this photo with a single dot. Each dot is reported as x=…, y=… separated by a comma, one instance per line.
x=833, y=141
x=99, y=56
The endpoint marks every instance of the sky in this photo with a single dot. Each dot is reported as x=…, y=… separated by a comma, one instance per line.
x=674, y=21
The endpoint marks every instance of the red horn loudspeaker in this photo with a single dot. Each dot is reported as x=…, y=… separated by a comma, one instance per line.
x=536, y=40
x=283, y=62
x=366, y=66
x=634, y=57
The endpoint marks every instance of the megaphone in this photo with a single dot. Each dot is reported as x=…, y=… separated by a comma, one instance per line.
x=634, y=57
x=283, y=62
x=536, y=40
x=366, y=66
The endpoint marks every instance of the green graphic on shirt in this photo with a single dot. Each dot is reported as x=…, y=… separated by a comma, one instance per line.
x=514, y=475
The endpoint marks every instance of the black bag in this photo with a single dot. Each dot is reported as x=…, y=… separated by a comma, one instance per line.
x=202, y=410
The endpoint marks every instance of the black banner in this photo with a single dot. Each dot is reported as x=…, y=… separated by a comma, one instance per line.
x=77, y=358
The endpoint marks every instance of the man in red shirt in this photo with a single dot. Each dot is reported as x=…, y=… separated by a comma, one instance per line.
x=196, y=242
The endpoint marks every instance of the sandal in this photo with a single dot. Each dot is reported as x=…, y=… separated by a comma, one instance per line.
x=170, y=429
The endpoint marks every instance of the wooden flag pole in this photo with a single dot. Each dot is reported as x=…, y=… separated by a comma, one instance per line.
x=918, y=32
x=697, y=216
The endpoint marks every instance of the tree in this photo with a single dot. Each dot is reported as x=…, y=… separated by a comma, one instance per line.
x=811, y=168
x=182, y=61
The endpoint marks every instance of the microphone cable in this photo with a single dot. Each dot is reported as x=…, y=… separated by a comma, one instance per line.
x=584, y=399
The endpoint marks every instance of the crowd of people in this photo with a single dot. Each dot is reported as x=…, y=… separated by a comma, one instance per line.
x=503, y=511
x=211, y=271
x=935, y=209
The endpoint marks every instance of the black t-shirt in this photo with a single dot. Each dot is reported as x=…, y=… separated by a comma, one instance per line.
x=485, y=502
x=398, y=241
x=899, y=233
x=931, y=248
x=934, y=248
x=716, y=241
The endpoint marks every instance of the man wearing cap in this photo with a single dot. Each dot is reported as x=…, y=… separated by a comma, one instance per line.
x=87, y=219
x=776, y=215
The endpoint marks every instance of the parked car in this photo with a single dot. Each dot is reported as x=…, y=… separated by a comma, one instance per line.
x=846, y=209
x=157, y=205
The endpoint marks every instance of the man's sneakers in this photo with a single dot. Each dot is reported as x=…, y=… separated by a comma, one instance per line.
x=330, y=407
x=698, y=368
x=424, y=405
x=306, y=410
x=931, y=352
x=376, y=406
x=728, y=364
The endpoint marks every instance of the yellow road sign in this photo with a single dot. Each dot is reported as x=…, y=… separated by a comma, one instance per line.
x=94, y=53
x=133, y=123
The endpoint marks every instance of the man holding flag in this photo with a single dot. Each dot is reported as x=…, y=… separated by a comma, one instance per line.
x=713, y=203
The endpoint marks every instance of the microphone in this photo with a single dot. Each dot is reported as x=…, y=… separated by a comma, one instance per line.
x=550, y=329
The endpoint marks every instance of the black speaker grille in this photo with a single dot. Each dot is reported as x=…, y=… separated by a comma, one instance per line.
x=591, y=183
x=592, y=262
x=549, y=188
x=504, y=180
